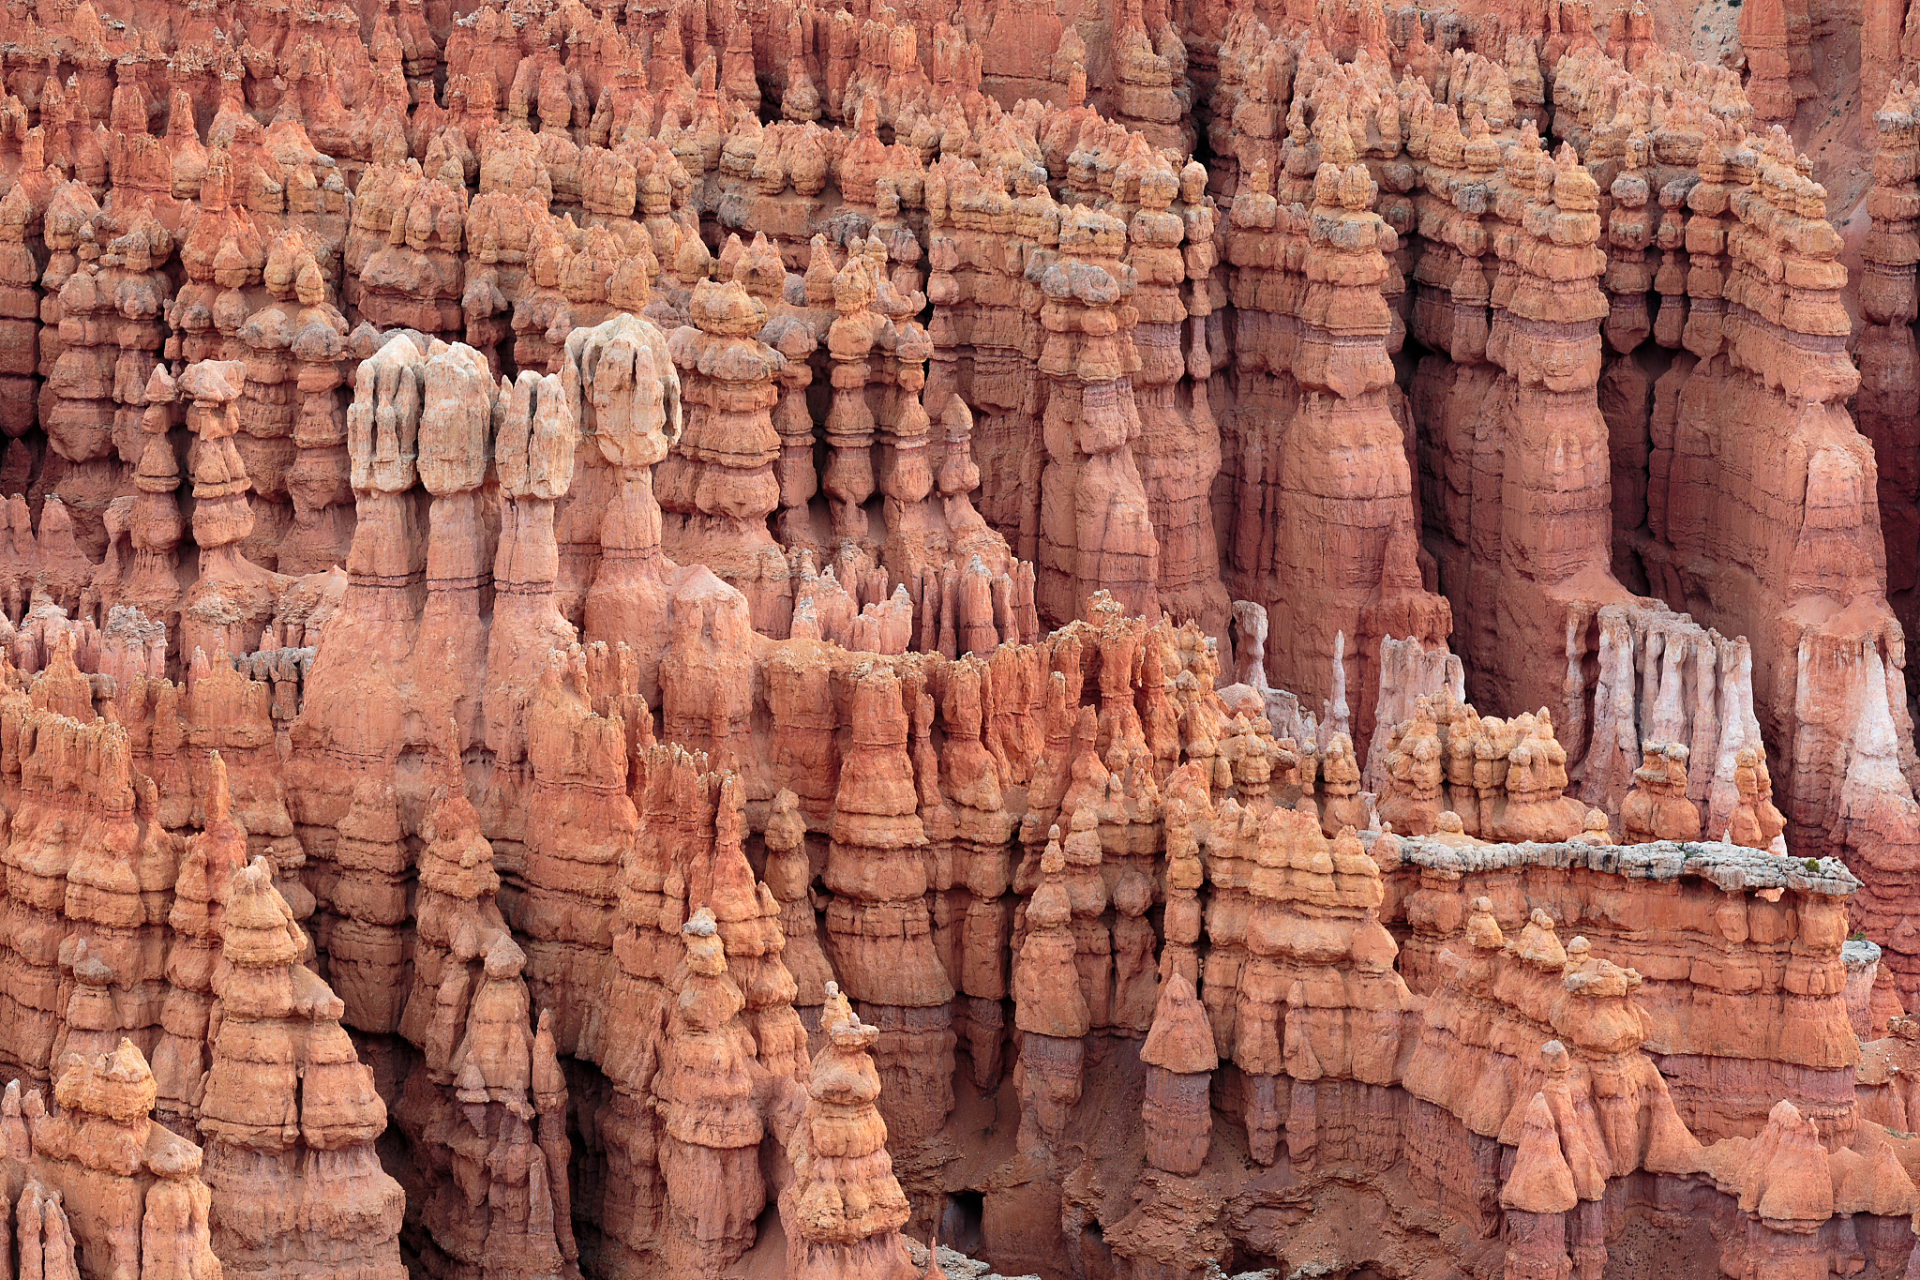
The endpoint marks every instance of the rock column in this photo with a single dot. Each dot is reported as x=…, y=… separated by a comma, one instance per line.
x=213, y=856
x=878, y=926
x=849, y=477
x=1342, y=367
x=1097, y=533
x=454, y=448
x=1538, y=1197
x=1180, y=455
x=719, y=487
x=844, y=1208
x=710, y=1146
x=788, y=878
x=286, y=1093
x=983, y=832
x=1180, y=1058
x=133, y=1199
x=1888, y=356
x=226, y=610
x=1557, y=462
x=1052, y=1016
x=533, y=457
x=630, y=409
x=22, y=256
x=1777, y=37
x=318, y=482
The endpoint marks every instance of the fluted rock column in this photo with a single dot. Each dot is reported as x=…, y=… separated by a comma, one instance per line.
x=362, y=882
x=674, y=797
x=286, y=1091
x=630, y=408
x=1179, y=456
x=40, y=1225
x=131, y=1191
x=1882, y=24
x=472, y=1123
x=1786, y=1190
x=979, y=332
x=356, y=693
x=415, y=279
x=1803, y=516
x=1180, y=1058
x=579, y=822
x=794, y=333
x=213, y=856
x=491, y=1071
x=1538, y=1197
x=1052, y=1016
x=1342, y=367
x=1777, y=37
x=319, y=479
x=983, y=832
x=78, y=406
x=1707, y=257
x=748, y=918
x=457, y=917
x=878, y=927
x=1670, y=278
x=454, y=447
x=22, y=256
x=118, y=887
x=1557, y=464
x=1630, y=230
x=1181, y=920
x=1097, y=532
x=1088, y=895
x=788, y=878
x=849, y=477
x=718, y=487
x=53, y=794
x=152, y=582
x=906, y=463
x=227, y=608
x=710, y=1144
x=69, y=208
x=270, y=399
x=844, y=1208
x=533, y=457
x=1888, y=356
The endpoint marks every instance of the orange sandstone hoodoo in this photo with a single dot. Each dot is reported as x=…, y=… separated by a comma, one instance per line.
x=1140, y=638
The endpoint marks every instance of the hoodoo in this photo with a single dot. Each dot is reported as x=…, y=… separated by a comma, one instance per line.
x=855, y=639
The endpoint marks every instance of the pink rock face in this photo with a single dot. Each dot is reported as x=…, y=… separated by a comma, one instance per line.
x=1808, y=1064
x=616, y=614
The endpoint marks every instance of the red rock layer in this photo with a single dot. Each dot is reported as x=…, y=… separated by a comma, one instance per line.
x=609, y=631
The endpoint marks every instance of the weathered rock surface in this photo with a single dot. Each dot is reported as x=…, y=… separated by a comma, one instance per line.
x=616, y=616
